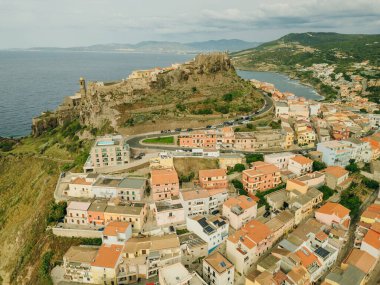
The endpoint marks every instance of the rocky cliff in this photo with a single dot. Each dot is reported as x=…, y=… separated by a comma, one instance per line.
x=151, y=95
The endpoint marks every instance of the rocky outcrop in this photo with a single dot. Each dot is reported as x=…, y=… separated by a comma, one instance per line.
x=112, y=103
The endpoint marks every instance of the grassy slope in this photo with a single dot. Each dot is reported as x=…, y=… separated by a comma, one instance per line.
x=160, y=140
x=184, y=166
x=28, y=175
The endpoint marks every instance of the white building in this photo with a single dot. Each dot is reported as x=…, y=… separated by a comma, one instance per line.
x=168, y=213
x=281, y=159
x=300, y=165
x=335, y=152
x=80, y=185
x=177, y=274
x=361, y=151
x=281, y=109
x=218, y=270
x=202, y=202
x=117, y=233
x=239, y=210
x=213, y=230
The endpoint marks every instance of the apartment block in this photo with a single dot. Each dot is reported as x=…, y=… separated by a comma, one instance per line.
x=262, y=176
x=218, y=270
x=164, y=184
x=213, y=179
x=335, y=153
x=281, y=159
x=239, y=210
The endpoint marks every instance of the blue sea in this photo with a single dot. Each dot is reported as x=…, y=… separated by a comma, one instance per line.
x=35, y=81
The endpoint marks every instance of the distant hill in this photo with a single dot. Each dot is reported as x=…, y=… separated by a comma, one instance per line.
x=163, y=47
x=308, y=48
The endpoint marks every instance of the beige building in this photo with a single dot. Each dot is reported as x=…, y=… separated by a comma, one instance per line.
x=253, y=141
x=143, y=257
x=193, y=249
x=229, y=160
x=108, y=151
x=133, y=213
x=77, y=213
x=239, y=210
x=77, y=263
x=218, y=270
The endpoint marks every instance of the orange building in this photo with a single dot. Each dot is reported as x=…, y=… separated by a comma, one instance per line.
x=262, y=176
x=96, y=212
x=164, y=183
x=213, y=179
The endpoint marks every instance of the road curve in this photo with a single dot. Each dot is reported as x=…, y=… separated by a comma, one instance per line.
x=135, y=141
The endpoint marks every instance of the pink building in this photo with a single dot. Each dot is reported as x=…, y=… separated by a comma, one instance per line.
x=333, y=213
x=262, y=176
x=202, y=139
x=164, y=183
x=77, y=213
x=213, y=179
x=239, y=210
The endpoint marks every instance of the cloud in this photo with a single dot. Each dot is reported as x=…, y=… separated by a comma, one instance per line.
x=72, y=22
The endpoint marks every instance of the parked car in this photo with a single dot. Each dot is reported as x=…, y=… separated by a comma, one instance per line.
x=208, y=127
x=178, y=129
x=266, y=214
x=189, y=129
x=142, y=154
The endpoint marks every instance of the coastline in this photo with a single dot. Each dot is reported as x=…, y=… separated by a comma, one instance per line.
x=307, y=84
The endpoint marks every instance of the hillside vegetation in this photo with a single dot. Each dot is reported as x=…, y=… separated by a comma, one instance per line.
x=308, y=48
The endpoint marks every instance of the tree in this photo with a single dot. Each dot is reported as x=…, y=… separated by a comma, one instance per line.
x=252, y=157
x=57, y=212
x=239, y=167
x=318, y=165
x=327, y=192
x=352, y=167
x=372, y=184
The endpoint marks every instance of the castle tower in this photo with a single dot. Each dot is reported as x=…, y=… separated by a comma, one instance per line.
x=82, y=84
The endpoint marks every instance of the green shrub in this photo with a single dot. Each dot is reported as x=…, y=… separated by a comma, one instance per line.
x=46, y=265
x=239, y=167
x=318, y=165
x=327, y=191
x=91, y=241
x=372, y=184
x=57, y=211
x=252, y=157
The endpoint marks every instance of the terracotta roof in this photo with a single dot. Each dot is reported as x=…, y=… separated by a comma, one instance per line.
x=80, y=180
x=217, y=261
x=108, y=255
x=243, y=201
x=298, y=274
x=333, y=209
x=372, y=212
x=335, y=171
x=114, y=227
x=251, y=234
x=372, y=238
x=261, y=168
x=301, y=159
x=212, y=173
x=164, y=176
x=321, y=236
x=194, y=194
x=361, y=259
x=307, y=257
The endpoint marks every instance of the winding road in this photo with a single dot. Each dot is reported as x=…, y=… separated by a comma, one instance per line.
x=135, y=141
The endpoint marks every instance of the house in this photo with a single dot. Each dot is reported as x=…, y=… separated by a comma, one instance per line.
x=127, y=188
x=164, y=183
x=361, y=150
x=289, y=136
x=81, y=186
x=310, y=261
x=349, y=276
x=177, y=274
x=360, y=259
x=117, y=233
x=105, y=267
x=169, y=213
x=96, y=212
x=108, y=151
x=144, y=256
x=281, y=224
x=192, y=249
x=213, y=230
x=280, y=159
x=135, y=214
x=335, y=152
x=300, y=165
x=333, y=214
x=262, y=176
x=77, y=213
x=218, y=270
x=259, y=140
x=246, y=245
x=337, y=177
x=202, y=202
x=281, y=109
x=371, y=215
x=213, y=179
x=77, y=263
x=371, y=243
x=199, y=138
x=239, y=210
x=304, y=182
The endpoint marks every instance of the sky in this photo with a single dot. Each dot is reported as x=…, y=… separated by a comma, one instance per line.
x=65, y=23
